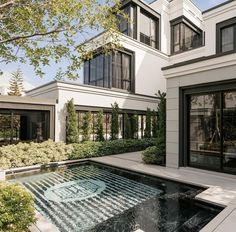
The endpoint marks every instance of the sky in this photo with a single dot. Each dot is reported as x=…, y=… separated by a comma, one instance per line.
x=31, y=80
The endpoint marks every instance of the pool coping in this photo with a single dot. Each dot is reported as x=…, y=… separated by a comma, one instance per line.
x=218, y=224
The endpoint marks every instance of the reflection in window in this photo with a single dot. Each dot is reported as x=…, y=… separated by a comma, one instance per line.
x=148, y=30
x=107, y=124
x=227, y=38
x=124, y=22
x=185, y=37
x=229, y=132
x=23, y=125
x=212, y=131
x=110, y=71
x=205, y=131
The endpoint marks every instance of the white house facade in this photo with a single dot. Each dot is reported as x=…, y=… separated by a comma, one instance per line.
x=173, y=47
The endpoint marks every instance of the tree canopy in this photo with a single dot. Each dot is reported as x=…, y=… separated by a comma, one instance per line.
x=41, y=31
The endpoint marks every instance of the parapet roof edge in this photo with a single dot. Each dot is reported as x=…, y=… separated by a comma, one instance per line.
x=196, y=60
x=217, y=6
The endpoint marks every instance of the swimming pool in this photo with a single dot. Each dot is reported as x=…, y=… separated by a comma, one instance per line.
x=92, y=197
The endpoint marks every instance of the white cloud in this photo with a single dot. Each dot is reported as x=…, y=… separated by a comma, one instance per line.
x=5, y=80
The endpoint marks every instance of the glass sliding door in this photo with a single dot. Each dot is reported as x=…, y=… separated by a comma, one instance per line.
x=204, y=131
x=24, y=125
x=229, y=131
x=212, y=131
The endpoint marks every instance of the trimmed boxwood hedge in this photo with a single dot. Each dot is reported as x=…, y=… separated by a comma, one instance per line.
x=96, y=149
x=25, y=154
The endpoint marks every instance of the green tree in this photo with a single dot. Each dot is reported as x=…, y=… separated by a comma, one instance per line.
x=134, y=126
x=127, y=127
x=161, y=135
x=147, y=131
x=16, y=83
x=99, y=127
x=115, y=121
x=40, y=31
x=72, y=133
x=154, y=124
x=86, y=127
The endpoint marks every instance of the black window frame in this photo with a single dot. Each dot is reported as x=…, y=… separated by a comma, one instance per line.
x=187, y=23
x=219, y=27
x=184, y=119
x=106, y=114
x=157, y=41
x=134, y=29
x=110, y=72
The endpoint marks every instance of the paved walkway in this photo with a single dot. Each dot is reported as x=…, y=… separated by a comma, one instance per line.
x=221, y=187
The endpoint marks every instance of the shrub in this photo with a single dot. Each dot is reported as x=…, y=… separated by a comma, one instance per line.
x=154, y=124
x=161, y=132
x=99, y=127
x=147, y=131
x=86, y=127
x=127, y=127
x=157, y=154
x=114, y=121
x=96, y=149
x=25, y=154
x=72, y=133
x=134, y=126
x=16, y=208
x=152, y=156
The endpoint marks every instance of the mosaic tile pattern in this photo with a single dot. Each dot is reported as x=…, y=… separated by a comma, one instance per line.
x=80, y=198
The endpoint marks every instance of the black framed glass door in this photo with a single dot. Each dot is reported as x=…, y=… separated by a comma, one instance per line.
x=212, y=131
x=229, y=131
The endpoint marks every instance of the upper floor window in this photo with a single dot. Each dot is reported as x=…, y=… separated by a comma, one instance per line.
x=112, y=70
x=148, y=30
x=185, y=36
x=226, y=36
x=143, y=23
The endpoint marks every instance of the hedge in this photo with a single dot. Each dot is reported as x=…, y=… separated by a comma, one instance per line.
x=25, y=154
x=16, y=208
x=96, y=149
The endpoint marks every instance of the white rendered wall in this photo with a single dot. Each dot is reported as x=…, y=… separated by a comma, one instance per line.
x=213, y=17
x=88, y=96
x=148, y=63
x=210, y=71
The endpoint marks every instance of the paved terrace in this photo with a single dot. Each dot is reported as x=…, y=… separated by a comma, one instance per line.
x=221, y=187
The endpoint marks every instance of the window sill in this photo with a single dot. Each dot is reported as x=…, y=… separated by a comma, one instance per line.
x=180, y=52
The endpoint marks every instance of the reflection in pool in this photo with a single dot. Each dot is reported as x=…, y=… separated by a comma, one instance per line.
x=92, y=197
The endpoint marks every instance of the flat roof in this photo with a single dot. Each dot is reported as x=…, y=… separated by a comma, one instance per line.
x=26, y=100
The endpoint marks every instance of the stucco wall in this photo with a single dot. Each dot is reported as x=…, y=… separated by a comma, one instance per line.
x=195, y=74
x=148, y=62
x=88, y=96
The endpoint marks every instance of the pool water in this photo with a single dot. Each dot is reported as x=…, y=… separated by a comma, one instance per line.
x=91, y=197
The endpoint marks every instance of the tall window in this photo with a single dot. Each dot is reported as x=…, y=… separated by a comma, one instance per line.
x=212, y=130
x=185, y=36
x=124, y=25
x=226, y=36
x=110, y=71
x=148, y=30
